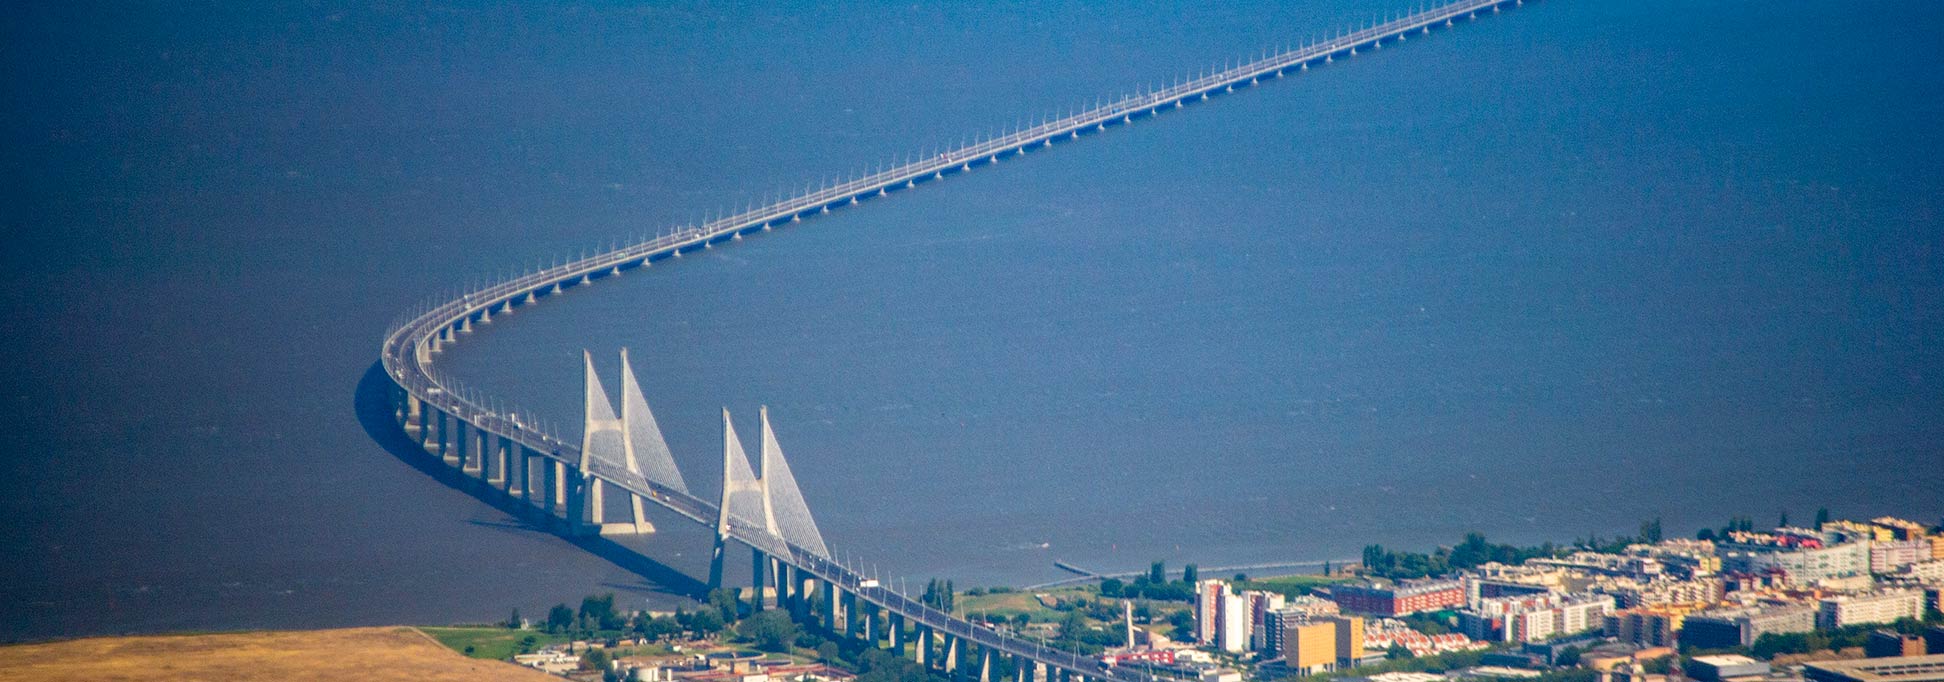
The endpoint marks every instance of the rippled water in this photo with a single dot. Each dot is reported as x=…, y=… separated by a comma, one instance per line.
x=1541, y=276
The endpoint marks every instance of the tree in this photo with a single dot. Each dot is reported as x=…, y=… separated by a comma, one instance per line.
x=513, y=622
x=1158, y=573
x=930, y=597
x=598, y=612
x=560, y=618
x=724, y=601
x=1326, y=569
x=1397, y=652
x=1021, y=620
x=1784, y=522
x=1111, y=587
x=1241, y=577
x=1650, y=531
x=1705, y=534
x=1072, y=627
x=658, y=629
x=1568, y=657
x=1190, y=574
x=1822, y=517
x=1373, y=557
x=829, y=652
x=596, y=659
x=771, y=630
x=703, y=623
x=1660, y=666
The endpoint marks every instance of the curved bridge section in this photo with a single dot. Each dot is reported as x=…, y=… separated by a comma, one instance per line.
x=530, y=462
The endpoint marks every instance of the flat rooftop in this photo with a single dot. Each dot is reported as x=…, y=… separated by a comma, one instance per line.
x=1900, y=669
x=1726, y=660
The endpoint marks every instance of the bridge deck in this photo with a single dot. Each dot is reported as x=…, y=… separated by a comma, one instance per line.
x=407, y=348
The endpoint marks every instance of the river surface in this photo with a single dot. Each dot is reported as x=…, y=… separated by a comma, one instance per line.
x=1542, y=276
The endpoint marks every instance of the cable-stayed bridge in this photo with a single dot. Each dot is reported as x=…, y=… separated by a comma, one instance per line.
x=623, y=453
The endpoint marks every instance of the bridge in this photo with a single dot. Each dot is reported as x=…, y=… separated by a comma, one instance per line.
x=567, y=482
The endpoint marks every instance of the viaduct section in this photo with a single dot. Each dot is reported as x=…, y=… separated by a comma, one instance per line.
x=623, y=453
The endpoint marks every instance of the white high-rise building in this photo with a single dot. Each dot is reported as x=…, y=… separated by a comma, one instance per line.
x=1232, y=635
x=1208, y=608
x=1879, y=607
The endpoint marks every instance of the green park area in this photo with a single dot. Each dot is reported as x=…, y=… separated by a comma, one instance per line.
x=492, y=641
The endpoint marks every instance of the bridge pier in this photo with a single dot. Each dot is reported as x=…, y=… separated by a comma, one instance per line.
x=445, y=438
x=815, y=599
x=520, y=480
x=892, y=629
x=921, y=646
x=592, y=504
x=779, y=581
x=789, y=591
x=458, y=460
x=554, y=488
x=951, y=661
x=802, y=600
x=809, y=597
x=424, y=427
x=573, y=500
x=780, y=585
x=985, y=665
x=461, y=435
x=474, y=457
x=502, y=461
x=861, y=616
x=834, y=615
x=757, y=583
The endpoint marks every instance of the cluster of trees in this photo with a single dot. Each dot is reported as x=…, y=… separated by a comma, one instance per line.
x=1747, y=525
x=1154, y=585
x=1650, y=532
x=939, y=594
x=599, y=659
x=997, y=589
x=771, y=631
x=1472, y=552
x=1079, y=636
x=596, y=614
x=1737, y=523
x=1775, y=644
x=597, y=617
x=878, y=665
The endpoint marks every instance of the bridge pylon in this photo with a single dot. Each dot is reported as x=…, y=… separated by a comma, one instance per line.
x=603, y=431
x=739, y=483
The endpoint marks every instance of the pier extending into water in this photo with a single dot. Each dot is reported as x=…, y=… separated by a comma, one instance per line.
x=622, y=453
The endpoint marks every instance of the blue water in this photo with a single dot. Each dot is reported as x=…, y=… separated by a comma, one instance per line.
x=1542, y=276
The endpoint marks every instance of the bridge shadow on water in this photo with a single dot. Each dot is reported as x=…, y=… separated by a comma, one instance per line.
x=373, y=406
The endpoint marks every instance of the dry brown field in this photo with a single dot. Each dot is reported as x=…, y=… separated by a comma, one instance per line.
x=384, y=654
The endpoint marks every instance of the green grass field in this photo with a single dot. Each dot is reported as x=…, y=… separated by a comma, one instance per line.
x=1291, y=585
x=1009, y=604
x=494, y=643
